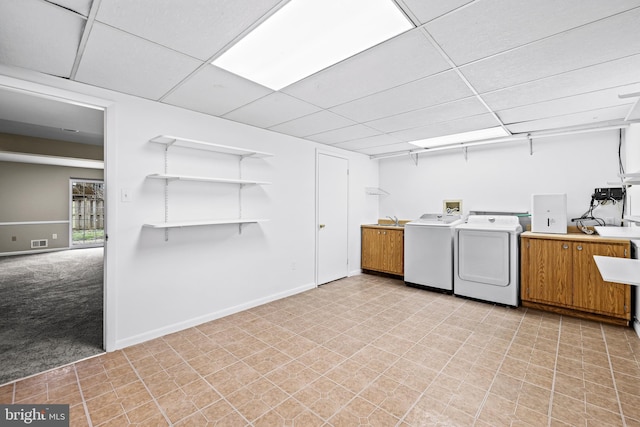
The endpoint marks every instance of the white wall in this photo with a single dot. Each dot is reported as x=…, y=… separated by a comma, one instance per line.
x=502, y=177
x=156, y=287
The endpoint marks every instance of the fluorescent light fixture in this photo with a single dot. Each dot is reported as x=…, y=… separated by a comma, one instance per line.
x=306, y=36
x=474, y=135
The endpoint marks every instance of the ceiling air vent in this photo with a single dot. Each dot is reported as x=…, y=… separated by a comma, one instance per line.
x=42, y=243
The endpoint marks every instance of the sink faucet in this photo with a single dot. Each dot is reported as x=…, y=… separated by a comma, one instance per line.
x=394, y=219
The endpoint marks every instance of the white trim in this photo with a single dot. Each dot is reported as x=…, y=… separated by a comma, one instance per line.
x=39, y=159
x=180, y=326
x=29, y=83
x=34, y=251
x=35, y=222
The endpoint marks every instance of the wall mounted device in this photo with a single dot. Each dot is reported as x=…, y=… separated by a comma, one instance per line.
x=549, y=213
x=602, y=194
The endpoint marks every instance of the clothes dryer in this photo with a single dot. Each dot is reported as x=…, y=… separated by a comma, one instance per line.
x=486, y=259
x=428, y=251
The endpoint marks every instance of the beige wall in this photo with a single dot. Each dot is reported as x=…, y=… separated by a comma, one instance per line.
x=31, y=192
x=49, y=147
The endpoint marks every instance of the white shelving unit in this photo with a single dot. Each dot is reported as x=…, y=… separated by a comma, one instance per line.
x=627, y=179
x=172, y=141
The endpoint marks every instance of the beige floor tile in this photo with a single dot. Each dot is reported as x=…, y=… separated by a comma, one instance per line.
x=366, y=350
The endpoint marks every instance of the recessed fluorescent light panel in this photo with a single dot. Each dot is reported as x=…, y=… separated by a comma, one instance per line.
x=306, y=36
x=458, y=138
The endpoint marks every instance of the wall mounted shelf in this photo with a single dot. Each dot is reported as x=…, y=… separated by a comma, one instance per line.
x=180, y=224
x=171, y=177
x=172, y=141
x=207, y=146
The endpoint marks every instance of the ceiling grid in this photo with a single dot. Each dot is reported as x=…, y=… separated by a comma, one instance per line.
x=467, y=65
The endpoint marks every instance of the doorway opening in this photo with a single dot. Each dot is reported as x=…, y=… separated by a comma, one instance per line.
x=52, y=152
x=87, y=213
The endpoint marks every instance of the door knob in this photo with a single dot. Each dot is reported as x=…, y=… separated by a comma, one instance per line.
x=322, y=225
x=579, y=247
x=565, y=246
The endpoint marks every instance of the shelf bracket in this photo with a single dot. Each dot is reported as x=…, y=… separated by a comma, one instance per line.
x=530, y=144
x=466, y=153
x=414, y=157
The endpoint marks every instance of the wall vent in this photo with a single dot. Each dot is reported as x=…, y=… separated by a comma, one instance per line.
x=42, y=243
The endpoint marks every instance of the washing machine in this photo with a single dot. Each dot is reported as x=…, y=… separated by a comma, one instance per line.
x=428, y=251
x=486, y=259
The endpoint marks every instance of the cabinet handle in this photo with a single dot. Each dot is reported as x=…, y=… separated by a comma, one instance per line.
x=565, y=246
x=579, y=247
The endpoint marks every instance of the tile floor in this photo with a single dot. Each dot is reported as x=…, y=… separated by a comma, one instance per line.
x=363, y=351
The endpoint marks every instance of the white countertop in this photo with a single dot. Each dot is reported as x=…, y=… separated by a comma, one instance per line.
x=619, y=270
x=626, y=232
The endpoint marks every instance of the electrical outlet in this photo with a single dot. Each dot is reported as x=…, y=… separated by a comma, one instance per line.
x=54, y=236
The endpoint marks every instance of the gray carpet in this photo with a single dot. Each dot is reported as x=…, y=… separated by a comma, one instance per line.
x=51, y=308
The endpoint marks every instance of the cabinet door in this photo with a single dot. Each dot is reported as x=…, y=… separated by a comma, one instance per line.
x=371, y=249
x=592, y=293
x=546, y=271
x=393, y=252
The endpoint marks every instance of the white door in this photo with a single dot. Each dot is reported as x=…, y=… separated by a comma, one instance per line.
x=332, y=233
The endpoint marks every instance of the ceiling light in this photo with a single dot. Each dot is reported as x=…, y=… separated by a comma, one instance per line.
x=475, y=135
x=306, y=36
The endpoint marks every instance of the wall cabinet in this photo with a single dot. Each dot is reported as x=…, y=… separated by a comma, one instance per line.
x=172, y=141
x=558, y=273
x=383, y=249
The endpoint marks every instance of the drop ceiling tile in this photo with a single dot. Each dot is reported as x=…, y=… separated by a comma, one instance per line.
x=212, y=90
x=481, y=121
x=369, y=142
x=199, y=28
x=81, y=6
x=426, y=10
x=119, y=61
x=433, y=90
x=312, y=124
x=404, y=58
x=611, y=74
x=272, y=110
x=39, y=36
x=572, y=104
x=488, y=27
x=576, y=119
x=430, y=115
x=344, y=134
x=601, y=41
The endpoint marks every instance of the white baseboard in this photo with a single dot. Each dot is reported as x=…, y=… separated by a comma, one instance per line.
x=34, y=251
x=636, y=326
x=355, y=272
x=176, y=327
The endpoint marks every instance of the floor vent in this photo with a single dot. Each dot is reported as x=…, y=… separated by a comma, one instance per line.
x=43, y=243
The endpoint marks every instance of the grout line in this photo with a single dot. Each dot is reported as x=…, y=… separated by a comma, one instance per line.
x=408, y=411
x=613, y=377
x=488, y=392
x=84, y=401
x=147, y=388
x=555, y=370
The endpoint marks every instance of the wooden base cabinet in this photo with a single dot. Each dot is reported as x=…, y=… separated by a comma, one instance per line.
x=558, y=273
x=383, y=249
